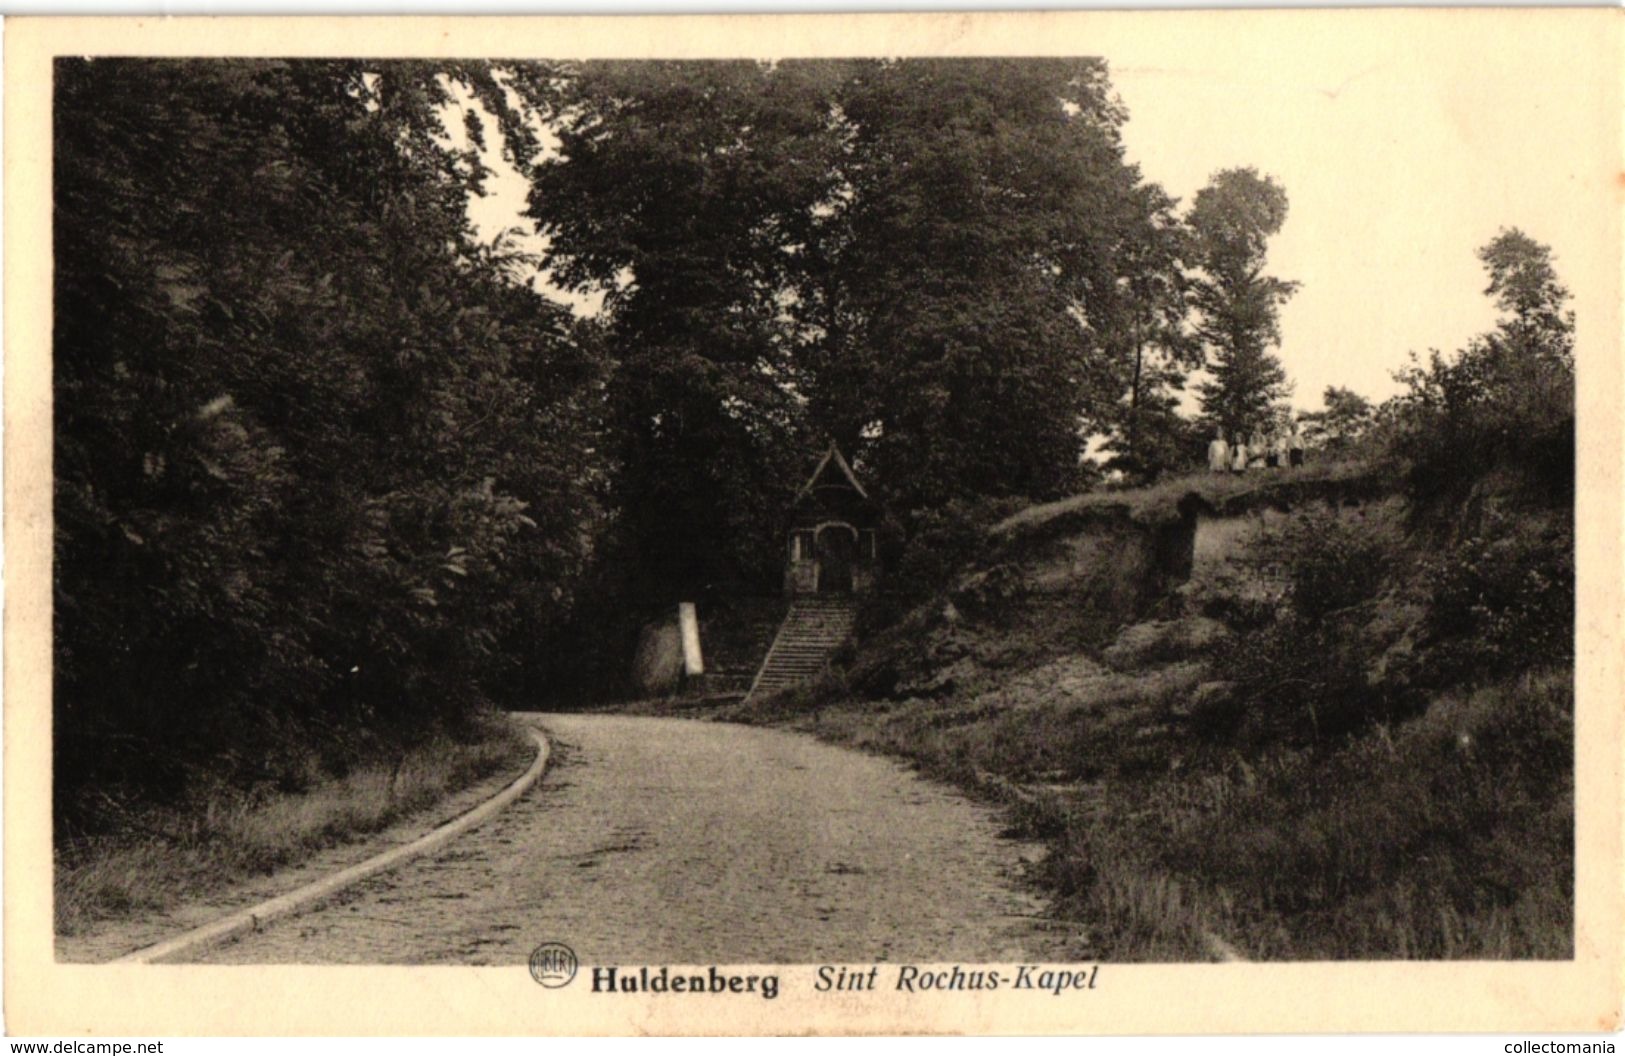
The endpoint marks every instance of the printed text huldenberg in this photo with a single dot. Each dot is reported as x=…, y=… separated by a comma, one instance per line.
x=664, y=981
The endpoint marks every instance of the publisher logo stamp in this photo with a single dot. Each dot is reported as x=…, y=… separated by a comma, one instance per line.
x=553, y=964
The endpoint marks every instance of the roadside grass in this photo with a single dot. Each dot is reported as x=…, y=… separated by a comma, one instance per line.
x=165, y=855
x=1446, y=836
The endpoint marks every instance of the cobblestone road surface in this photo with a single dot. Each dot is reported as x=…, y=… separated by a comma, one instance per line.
x=657, y=840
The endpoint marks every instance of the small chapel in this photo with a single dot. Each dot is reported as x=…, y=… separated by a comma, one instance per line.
x=832, y=546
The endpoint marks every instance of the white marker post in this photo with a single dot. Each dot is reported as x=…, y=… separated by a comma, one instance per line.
x=688, y=621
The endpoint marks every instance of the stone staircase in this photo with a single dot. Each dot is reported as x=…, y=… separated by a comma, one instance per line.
x=813, y=630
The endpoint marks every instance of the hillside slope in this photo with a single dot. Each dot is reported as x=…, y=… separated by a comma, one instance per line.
x=1298, y=716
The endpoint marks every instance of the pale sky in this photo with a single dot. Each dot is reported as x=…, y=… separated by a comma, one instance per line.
x=1400, y=153
x=1402, y=148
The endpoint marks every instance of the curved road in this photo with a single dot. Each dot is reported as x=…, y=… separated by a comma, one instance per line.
x=656, y=840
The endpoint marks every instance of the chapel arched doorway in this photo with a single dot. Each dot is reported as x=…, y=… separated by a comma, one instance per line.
x=837, y=546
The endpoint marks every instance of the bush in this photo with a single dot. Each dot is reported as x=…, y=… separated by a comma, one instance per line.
x=1302, y=675
x=923, y=562
x=1503, y=400
x=1331, y=562
x=1507, y=398
x=1297, y=680
x=1447, y=836
x=1502, y=600
x=1494, y=405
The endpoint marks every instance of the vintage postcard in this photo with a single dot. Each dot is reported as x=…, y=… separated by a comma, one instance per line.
x=1050, y=523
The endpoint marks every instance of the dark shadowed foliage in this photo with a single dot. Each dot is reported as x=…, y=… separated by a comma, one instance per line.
x=1507, y=398
x=317, y=454
x=1232, y=221
x=946, y=266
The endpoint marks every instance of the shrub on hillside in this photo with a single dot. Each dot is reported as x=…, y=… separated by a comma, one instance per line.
x=1302, y=675
x=1507, y=398
x=923, y=562
x=1493, y=405
x=1297, y=680
x=1330, y=562
x=1502, y=600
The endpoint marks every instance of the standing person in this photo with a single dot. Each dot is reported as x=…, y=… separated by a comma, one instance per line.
x=1238, y=455
x=1255, y=450
x=1272, y=457
x=1295, y=446
x=1283, y=447
x=1218, y=453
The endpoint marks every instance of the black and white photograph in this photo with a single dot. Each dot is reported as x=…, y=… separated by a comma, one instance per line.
x=799, y=526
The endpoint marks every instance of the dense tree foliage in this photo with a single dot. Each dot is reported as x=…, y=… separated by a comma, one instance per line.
x=969, y=299
x=317, y=452
x=326, y=463
x=1507, y=397
x=1232, y=220
x=947, y=266
x=1344, y=417
x=685, y=189
x=1156, y=349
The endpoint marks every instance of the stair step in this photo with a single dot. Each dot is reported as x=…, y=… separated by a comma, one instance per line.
x=812, y=631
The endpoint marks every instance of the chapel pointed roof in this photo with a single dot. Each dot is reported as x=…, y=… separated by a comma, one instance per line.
x=832, y=457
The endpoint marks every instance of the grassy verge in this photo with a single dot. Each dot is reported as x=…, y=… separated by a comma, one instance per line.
x=162, y=857
x=1446, y=836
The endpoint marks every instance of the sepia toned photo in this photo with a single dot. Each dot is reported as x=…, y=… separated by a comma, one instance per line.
x=724, y=525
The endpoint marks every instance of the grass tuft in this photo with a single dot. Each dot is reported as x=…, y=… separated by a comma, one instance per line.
x=164, y=856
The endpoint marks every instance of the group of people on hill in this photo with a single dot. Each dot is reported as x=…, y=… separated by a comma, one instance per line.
x=1279, y=448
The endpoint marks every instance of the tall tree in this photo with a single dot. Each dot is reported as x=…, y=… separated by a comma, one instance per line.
x=686, y=191
x=969, y=301
x=1508, y=395
x=317, y=450
x=1143, y=326
x=1232, y=220
x=1536, y=319
x=934, y=262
